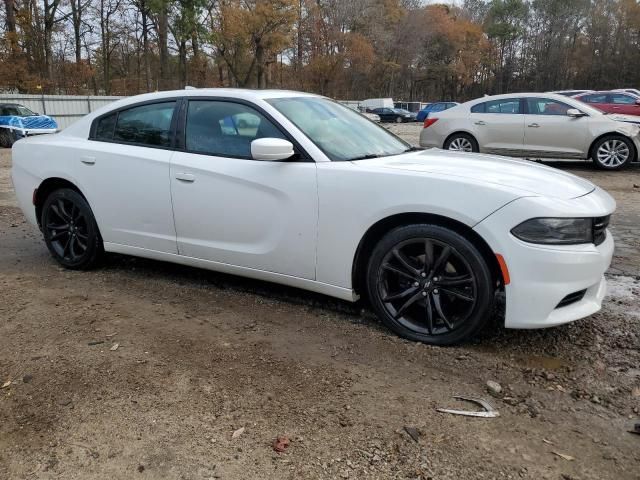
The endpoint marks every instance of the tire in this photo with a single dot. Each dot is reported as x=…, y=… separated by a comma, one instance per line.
x=440, y=298
x=461, y=142
x=613, y=152
x=70, y=230
x=399, y=120
x=7, y=138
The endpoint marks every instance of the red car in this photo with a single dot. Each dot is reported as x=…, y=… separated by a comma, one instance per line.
x=612, y=102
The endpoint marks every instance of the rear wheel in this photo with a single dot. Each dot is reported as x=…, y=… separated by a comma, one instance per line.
x=613, y=152
x=398, y=119
x=461, y=142
x=430, y=284
x=70, y=230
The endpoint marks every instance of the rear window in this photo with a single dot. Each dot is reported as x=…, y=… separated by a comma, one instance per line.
x=105, y=127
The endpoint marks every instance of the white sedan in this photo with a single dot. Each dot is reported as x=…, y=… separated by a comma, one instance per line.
x=311, y=194
x=536, y=125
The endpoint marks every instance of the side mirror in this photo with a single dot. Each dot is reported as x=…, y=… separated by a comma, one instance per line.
x=271, y=149
x=575, y=113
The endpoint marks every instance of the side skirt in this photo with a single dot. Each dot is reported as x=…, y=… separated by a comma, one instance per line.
x=302, y=283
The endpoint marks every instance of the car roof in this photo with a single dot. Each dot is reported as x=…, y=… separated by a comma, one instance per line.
x=505, y=96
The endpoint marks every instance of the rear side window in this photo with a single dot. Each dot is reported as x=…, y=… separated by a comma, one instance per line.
x=145, y=125
x=479, y=108
x=105, y=127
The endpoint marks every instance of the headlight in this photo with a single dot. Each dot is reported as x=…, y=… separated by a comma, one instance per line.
x=555, y=231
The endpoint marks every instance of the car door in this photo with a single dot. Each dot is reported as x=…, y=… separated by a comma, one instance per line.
x=624, y=103
x=550, y=132
x=598, y=100
x=498, y=126
x=123, y=170
x=231, y=209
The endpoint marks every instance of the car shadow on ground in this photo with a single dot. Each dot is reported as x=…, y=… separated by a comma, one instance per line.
x=494, y=337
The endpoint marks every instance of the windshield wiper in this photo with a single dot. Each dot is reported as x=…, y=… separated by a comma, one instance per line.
x=365, y=157
x=413, y=149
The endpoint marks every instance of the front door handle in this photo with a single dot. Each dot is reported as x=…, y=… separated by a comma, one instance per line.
x=480, y=122
x=534, y=125
x=88, y=160
x=186, y=177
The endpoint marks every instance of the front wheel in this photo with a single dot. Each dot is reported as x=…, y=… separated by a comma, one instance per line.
x=70, y=230
x=398, y=119
x=430, y=284
x=613, y=152
x=461, y=142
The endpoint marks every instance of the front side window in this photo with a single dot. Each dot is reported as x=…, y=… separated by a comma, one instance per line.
x=339, y=132
x=546, y=106
x=226, y=129
x=621, y=99
x=146, y=125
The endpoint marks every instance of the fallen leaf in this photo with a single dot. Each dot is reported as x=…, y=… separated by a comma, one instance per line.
x=114, y=347
x=6, y=384
x=564, y=456
x=237, y=433
x=280, y=444
x=111, y=334
x=548, y=442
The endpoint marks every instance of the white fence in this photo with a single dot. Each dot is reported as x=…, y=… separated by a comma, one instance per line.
x=65, y=109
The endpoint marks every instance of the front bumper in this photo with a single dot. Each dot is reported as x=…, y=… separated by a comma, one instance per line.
x=544, y=276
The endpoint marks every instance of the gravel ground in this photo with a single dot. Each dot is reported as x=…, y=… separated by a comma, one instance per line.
x=202, y=355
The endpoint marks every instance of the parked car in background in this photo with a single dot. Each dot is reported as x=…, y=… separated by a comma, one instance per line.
x=319, y=198
x=396, y=115
x=17, y=121
x=534, y=125
x=372, y=103
x=434, y=107
x=634, y=91
x=612, y=102
x=570, y=93
x=371, y=116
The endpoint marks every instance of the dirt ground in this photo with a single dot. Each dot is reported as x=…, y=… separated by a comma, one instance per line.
x=201, y=355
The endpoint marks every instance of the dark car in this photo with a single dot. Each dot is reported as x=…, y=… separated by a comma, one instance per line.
x=396, y=115
x=434, y=107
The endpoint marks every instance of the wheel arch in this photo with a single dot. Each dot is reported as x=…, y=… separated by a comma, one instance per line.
x=464, y=132
x=613, y=133
x=46, y=187
x=373, y=235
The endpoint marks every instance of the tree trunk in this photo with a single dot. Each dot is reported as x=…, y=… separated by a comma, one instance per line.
x=76, y=20
x=163, y=38
x=262, y=81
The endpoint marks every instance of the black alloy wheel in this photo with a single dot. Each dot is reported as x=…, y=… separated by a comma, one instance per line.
x=70, y=230
x=430, y=284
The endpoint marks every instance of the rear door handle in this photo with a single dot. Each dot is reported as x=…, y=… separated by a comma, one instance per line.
x=186, y=177
x=534, y=125
x=479, y=122
x=88, y=160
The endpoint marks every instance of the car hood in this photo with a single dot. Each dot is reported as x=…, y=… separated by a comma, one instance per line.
x=625, y=118
x=528, y=177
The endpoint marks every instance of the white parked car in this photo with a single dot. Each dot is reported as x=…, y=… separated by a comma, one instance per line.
x=320, y=198
x=535, y=125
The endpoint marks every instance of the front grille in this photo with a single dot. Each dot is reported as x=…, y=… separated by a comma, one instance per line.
x=571, y=298
x=600, y=225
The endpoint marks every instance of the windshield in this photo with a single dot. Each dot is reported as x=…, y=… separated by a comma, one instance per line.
x=15, y=111
x=338, y=131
